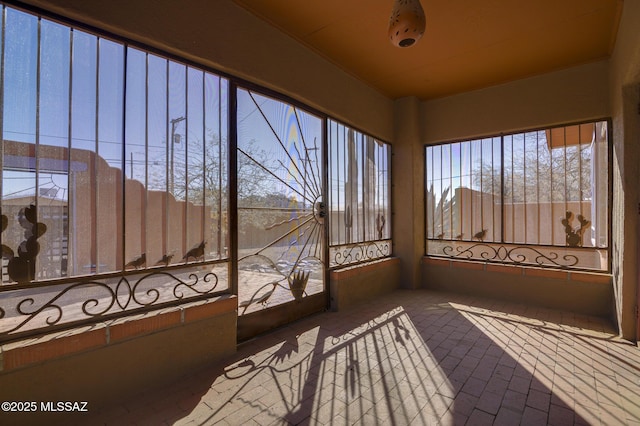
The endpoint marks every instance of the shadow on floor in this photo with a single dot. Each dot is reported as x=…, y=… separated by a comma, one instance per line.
x=414, y=357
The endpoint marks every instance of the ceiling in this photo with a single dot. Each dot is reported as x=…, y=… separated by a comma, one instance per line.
x=467, y=45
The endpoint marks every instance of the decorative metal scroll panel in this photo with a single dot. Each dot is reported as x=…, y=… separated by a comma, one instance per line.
x=37, y=310
x=557, y=257
x=353, y=254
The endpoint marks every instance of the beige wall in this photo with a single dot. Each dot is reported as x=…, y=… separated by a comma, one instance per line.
x=359, y=284
x=570, y=95
x=407, y=168
x=222, y=35
x=555, y=289
x=625, y=104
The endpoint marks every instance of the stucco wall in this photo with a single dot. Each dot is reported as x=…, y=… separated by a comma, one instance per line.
x=407, y=168
x=579, y=292
x=625, y=113
x=570, y=95
x=222, y=35
x=360, y=284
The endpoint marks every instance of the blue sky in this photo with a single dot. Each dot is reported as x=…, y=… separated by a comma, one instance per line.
x=79, y=97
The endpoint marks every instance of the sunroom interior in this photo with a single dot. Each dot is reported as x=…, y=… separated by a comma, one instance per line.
x=179, y=177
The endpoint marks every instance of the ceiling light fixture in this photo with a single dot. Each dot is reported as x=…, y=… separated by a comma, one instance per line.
x=407, y=23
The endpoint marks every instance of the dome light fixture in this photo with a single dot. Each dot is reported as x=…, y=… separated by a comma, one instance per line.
x=407, y=23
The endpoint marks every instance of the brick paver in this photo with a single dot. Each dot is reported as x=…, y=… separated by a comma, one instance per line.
x=413, y=357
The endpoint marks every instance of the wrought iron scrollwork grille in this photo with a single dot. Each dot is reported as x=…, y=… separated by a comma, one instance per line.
x=25, y=312
x=353, y=254
x=514, y=254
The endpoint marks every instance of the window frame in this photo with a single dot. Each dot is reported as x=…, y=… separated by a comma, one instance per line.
x=500, y=254
x=362, y=250
x=126, y=47
x=124, y=289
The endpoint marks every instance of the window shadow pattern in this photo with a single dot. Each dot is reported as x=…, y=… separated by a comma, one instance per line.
x=417, y=358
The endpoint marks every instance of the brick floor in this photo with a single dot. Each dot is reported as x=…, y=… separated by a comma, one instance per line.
x=413, y=357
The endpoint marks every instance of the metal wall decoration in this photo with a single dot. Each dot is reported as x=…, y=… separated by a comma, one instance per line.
x=7, y=252
x=297, y=283
x=137, y=262
x=380, y=222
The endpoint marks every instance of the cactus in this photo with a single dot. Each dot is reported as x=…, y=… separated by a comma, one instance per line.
x=298, y=283
x=380, y=222
x=22, y=268
x=574, y=235
x=7, y=253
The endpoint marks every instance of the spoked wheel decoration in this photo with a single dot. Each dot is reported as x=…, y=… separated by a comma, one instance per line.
x=280, y=203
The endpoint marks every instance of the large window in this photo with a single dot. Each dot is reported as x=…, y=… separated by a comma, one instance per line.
x=359, y=196
x=114, y=174
x=538, y=197
x=116, y=184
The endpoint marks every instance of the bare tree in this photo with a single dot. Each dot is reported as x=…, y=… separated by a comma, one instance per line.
x=537, y=174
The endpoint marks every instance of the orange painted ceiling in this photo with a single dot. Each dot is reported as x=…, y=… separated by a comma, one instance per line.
x=467, y=45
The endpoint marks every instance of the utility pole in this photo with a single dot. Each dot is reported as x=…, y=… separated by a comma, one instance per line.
x=174, y=123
